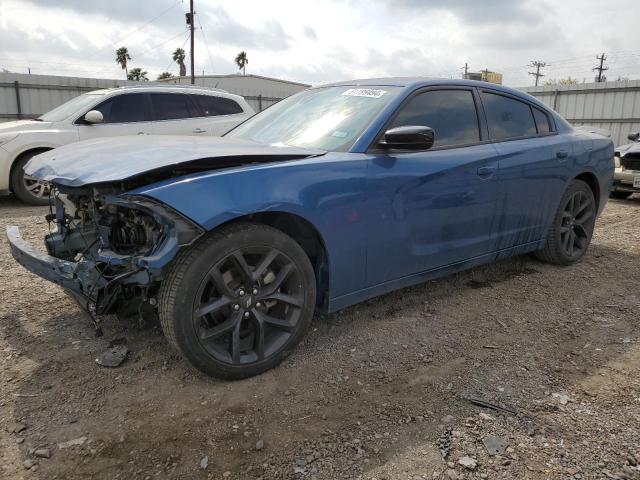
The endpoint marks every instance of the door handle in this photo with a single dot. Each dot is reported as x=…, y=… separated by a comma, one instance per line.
x=199, y=130
x=562, y=154
x=486, y=171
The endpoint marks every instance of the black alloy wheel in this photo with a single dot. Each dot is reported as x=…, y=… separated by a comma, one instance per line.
x=572, y=228
x=237, y=302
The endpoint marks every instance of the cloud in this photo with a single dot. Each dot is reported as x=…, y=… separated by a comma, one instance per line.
x=221, y=27
x=470, y=11
x=310, y=33
x=124, y=11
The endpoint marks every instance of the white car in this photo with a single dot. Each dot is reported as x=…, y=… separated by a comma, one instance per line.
x=138, y=110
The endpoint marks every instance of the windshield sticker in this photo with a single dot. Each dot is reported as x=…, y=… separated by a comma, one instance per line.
x=339, y=134
x=364, y=92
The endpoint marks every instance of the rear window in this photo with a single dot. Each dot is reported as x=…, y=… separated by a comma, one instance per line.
x=543, y=122
x=211, y=106
x=507, y=117
x=172, y=106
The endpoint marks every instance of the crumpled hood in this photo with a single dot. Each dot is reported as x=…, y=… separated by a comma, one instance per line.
x=121, y=158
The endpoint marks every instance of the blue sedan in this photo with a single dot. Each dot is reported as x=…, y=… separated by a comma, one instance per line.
x=335, y=195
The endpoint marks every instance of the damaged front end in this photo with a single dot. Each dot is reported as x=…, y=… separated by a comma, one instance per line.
x=108, y=249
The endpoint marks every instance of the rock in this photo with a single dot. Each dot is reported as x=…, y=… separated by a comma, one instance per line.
x=42, y=453
x=562, y=398
x=72, y=443
x=204, y=463
x=632, y=460
x=260, y=444
x=468, y=463
x=19, y=440
x=448, y=419
x=226, y=474
x=16, y=427
x=452, y=475
x=28, y=464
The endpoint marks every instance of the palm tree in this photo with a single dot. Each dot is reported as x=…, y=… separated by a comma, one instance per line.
x=178, y=57
x=137, y=74
x=242, y=61
x=122, y=55
x=164, y=75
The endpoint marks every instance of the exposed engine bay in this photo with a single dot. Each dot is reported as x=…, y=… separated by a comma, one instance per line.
x=119, y=244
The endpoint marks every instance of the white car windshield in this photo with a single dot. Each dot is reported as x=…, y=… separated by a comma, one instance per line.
x=75, y=105
x=327, y=118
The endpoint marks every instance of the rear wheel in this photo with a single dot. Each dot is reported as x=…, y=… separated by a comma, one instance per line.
x=620, y=195
x=27, y=188
x=572, y=228
x=237, y=302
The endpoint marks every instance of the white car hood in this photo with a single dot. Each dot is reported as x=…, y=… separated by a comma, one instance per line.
x=23, y=126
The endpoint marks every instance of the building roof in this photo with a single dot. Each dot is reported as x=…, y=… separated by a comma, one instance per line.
x=237, y=75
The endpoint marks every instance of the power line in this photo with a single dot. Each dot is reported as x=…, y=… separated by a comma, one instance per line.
x=538, y=65
x=148, y=22
x=206, y=45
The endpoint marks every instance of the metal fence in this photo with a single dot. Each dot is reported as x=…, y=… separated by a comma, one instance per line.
x=613, y=106
x=29, y=96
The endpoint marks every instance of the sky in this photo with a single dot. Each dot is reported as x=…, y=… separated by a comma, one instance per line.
x=323, y=41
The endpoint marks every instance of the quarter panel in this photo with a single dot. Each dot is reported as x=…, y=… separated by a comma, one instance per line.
x=328, y=192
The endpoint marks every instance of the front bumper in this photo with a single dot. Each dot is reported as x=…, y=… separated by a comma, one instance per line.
x=623, y=180
x=68, y=275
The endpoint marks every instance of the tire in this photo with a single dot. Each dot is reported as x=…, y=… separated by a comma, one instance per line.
x=620, y=195
x=570, y=233
x=26, y=189
x=235, y=286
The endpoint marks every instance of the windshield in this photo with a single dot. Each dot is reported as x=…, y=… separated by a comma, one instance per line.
x=328, y=118
x=75, y=105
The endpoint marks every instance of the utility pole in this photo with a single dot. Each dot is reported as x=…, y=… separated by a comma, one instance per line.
x=191, y=24
x=538, y=64
x=466, y=70
x=601, y=68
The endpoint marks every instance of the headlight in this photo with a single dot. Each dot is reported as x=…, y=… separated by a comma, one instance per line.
x=616, y=161
x=7, y=137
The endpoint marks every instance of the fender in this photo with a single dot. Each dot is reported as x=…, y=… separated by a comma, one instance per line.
x=334, y=206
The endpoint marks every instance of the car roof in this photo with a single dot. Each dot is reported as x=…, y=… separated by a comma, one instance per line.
x=412, y=83
x=195, y=89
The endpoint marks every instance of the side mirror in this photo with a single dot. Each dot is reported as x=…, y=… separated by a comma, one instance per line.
x=409, y=137
x=93, y=116
x=634, y=137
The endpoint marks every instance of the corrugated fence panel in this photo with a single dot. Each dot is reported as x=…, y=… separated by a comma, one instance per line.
x=613, y=106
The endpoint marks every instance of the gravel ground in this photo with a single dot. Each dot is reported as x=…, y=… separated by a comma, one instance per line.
x=382, y=390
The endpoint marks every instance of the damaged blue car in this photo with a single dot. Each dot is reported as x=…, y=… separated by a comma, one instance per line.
x=335, y=195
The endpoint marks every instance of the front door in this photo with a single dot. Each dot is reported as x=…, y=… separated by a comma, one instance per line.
x=432, y=208
x=123, y=114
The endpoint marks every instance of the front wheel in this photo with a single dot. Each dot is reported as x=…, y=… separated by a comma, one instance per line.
x=572, y=228
x=27, y=188
x=237, y=302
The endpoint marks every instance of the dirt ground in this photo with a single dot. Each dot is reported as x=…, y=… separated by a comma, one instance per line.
x=378, y=391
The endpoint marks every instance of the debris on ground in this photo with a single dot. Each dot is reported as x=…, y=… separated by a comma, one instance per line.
x=204, y=463
x=72, y=443
x=113, y=357
x=495, y=445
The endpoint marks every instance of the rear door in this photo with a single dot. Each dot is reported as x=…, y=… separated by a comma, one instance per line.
x=175, y=114
x=123, y=114
x=531, y=157
x=433, y=208
x=222, y=113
